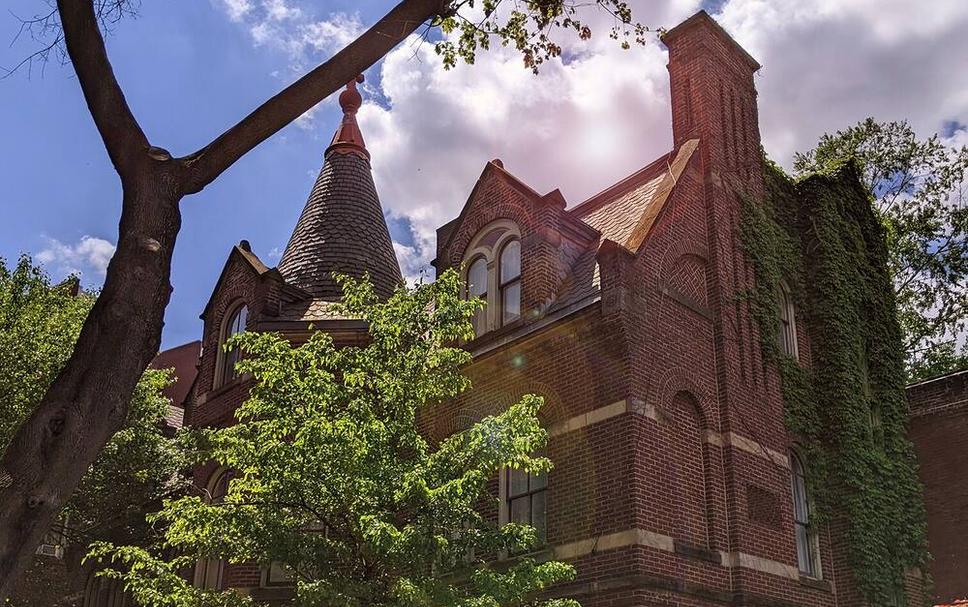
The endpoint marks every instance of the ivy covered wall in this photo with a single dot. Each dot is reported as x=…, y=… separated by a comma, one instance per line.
x=849, y=412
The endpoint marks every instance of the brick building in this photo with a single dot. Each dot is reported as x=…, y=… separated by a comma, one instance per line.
x=676, y=481
x=939, y=431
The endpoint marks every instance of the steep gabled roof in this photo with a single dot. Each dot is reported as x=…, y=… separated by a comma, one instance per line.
x=625, y=212
x=240, y=251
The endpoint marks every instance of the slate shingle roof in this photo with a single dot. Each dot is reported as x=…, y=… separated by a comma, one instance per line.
x=617, y=219
x=342, y=230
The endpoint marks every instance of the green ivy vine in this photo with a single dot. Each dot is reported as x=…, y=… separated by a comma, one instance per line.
x=819, y=235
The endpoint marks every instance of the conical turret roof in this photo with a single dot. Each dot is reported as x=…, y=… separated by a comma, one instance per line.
x=342, y=229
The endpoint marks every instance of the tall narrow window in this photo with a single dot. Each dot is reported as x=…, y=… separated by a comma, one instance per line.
x=208, y=572
x=477, y=287
x=788, y=323
x=235, y=324
x=808, y=544
x=510, y=282
x=526, y=500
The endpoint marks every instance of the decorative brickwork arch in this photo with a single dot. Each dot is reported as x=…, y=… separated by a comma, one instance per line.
x=479, y=219
x=685, y=430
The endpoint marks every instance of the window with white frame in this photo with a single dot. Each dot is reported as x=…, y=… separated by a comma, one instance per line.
x=208, y=571
x=525, y=500
x=788, y=322
x=808, y=542
x=492, y=264
x=234, y=324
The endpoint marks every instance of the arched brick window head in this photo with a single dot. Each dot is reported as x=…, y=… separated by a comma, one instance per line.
x=493, y=273
x=235, y=323
x=808, y=543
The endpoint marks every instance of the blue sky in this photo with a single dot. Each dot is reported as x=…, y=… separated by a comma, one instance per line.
x=191, y=68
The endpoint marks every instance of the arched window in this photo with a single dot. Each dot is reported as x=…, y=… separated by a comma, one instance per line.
x=226, y=359
x=788, y=323
x=477, y=287
x=493, y=266
x=208, y=572
x=509, y=281
x=808, y=544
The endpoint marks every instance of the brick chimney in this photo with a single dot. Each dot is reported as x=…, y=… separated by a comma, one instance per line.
x=713, y=97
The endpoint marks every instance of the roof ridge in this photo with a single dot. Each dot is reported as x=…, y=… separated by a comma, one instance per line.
x=618, y=188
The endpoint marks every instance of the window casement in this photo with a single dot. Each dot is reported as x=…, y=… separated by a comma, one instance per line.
x=787, y=335
x=509, y=281
x=477, y=288
x=524, y=500
x=208, y=571
x=807, y=539
x=493, y=273
x=225, y=360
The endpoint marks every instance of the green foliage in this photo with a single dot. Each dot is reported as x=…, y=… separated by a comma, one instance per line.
x=332, y=479
x=917, y=186
x=849, y=410
x=39, y=324
x=527, y=26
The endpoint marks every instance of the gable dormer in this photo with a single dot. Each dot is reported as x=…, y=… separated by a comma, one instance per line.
x=514, y=247
x=246, y=291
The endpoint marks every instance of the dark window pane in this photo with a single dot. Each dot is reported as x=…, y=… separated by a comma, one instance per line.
x=517, y=482
x=539, y=515
x=521, y=510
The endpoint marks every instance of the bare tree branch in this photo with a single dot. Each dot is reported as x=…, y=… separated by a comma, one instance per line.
x=123, y=138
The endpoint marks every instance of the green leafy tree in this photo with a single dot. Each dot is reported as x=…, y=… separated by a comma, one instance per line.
x=39, y=324
x=334, y=482
x=122, y=333
x=918, y=189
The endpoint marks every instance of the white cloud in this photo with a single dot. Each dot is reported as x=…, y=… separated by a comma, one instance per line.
x=831, y=63
x=87, y=257
x=287, y=27
x=414, y=267
x=278, y=10
x=236, y=9
x=578, y=126
x=584, y=124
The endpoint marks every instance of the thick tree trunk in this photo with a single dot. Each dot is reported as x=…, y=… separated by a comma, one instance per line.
x=88, y=402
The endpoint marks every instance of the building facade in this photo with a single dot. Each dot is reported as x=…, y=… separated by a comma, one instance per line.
x=939, y=431
x=676, y=481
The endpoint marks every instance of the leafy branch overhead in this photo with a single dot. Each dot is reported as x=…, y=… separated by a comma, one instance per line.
x=333, y=483
x=527, y=26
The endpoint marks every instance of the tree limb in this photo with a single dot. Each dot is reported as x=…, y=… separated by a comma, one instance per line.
x=208, y=163
x=123, y=138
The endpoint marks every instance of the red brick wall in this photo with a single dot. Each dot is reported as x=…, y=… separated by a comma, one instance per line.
x=680, y=495
x=939, y=431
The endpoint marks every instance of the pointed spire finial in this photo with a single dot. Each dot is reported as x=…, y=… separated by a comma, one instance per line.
x=348, y=138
